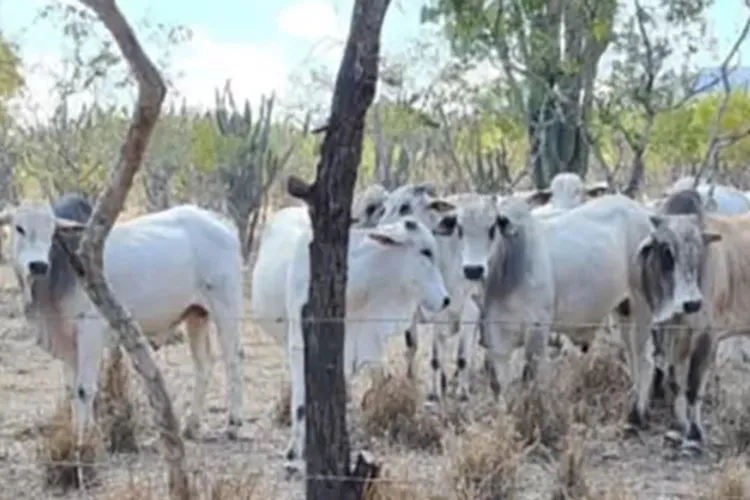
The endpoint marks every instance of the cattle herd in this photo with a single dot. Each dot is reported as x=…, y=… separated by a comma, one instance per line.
x=671, y=273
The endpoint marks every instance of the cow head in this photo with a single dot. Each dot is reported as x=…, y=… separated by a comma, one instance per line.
x=481, y=227
x=412, y=256
x=33, y=226
x=368, y=206
x=415, y=200
x=671, y=265
x=566, y=191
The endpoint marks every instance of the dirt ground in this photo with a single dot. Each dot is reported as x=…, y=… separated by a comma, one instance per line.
x=31, y=386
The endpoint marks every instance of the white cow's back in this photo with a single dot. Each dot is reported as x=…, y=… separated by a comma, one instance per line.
x=177, y=252
x=277, y=246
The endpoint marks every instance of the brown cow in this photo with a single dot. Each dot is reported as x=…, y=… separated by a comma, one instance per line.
x=694, y=272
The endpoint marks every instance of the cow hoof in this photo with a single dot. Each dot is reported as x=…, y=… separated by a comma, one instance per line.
x=463, y=397
x=630, y=431
x=691, y=448
x=673, y=437
x=432, y=398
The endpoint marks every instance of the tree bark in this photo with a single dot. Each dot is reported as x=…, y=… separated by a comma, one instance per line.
x=330, y=200
x=89, y=260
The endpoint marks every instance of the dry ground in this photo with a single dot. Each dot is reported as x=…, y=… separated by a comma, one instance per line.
x=31, y=385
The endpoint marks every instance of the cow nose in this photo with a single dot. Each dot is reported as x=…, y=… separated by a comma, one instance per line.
x=446, y=302
x=691, y=306
x=38, y=268
x=473, y=273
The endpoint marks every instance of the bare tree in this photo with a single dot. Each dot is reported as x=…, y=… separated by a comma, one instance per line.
x=89, y=260
x=329, y=198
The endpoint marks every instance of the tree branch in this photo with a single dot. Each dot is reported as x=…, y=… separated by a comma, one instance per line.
x=109, y=204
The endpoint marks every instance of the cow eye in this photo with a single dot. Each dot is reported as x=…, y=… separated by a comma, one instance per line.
x=404, y=209
x=666, y=257
x=427, y=253
x=492, y=232
x=20, y=230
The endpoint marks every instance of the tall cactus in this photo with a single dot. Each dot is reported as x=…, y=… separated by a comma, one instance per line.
x=253, y=164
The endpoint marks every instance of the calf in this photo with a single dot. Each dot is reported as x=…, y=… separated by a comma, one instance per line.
x=692, y=272
x=567, y=272
x=392, y=269
x=178, y=265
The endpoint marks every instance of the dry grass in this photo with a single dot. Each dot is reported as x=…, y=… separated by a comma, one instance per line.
x=732, y=481
x=733, y=420
x=597, y=387
x=201, y=488
x=114, y=409
x=542, y=410
x=57, y=454
x=571, y=472
x=486, y=459
x=391, y=409
x=282, y=409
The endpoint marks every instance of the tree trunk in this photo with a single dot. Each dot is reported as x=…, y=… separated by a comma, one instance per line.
x=330, y=199
x=89, y=261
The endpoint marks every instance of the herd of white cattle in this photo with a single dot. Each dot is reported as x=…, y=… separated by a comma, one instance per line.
x=672, y=273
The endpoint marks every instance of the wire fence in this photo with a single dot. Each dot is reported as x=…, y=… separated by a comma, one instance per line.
x=261, y=462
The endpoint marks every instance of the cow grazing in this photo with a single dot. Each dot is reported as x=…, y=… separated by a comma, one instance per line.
x=693, y=272
x=419, y=201
x=566, y=191
x=567, y=273
x=392, y=269
x=178, y=265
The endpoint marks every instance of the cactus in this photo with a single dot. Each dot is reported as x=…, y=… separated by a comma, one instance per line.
x=250, y=169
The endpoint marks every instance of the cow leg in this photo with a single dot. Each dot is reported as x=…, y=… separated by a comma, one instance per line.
x=296, y=356
x=439, y=380
x=536, y=340
x=410, y=338
x=681, y=359
x=229, y=330
x=702, y=357
x=466, y=344
x=196, y=327
x=635, y=332
x=91, y=336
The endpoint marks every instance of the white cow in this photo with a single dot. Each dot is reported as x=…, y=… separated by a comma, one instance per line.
x=419, y=201
x=392, y=269
x=367, y=206
x=727, y=200
x=179, y=265
x=565, y=192
x=567, y=272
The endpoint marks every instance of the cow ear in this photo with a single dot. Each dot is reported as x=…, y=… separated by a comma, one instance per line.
x=645, y=247
x=595, y=190
x=440, y=206
x=709, y=238
x=68, y=225
x=389, y=235
x=446, y=226
x=539, y=197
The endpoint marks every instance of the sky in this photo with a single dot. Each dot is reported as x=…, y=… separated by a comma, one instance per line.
x=257, y=44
